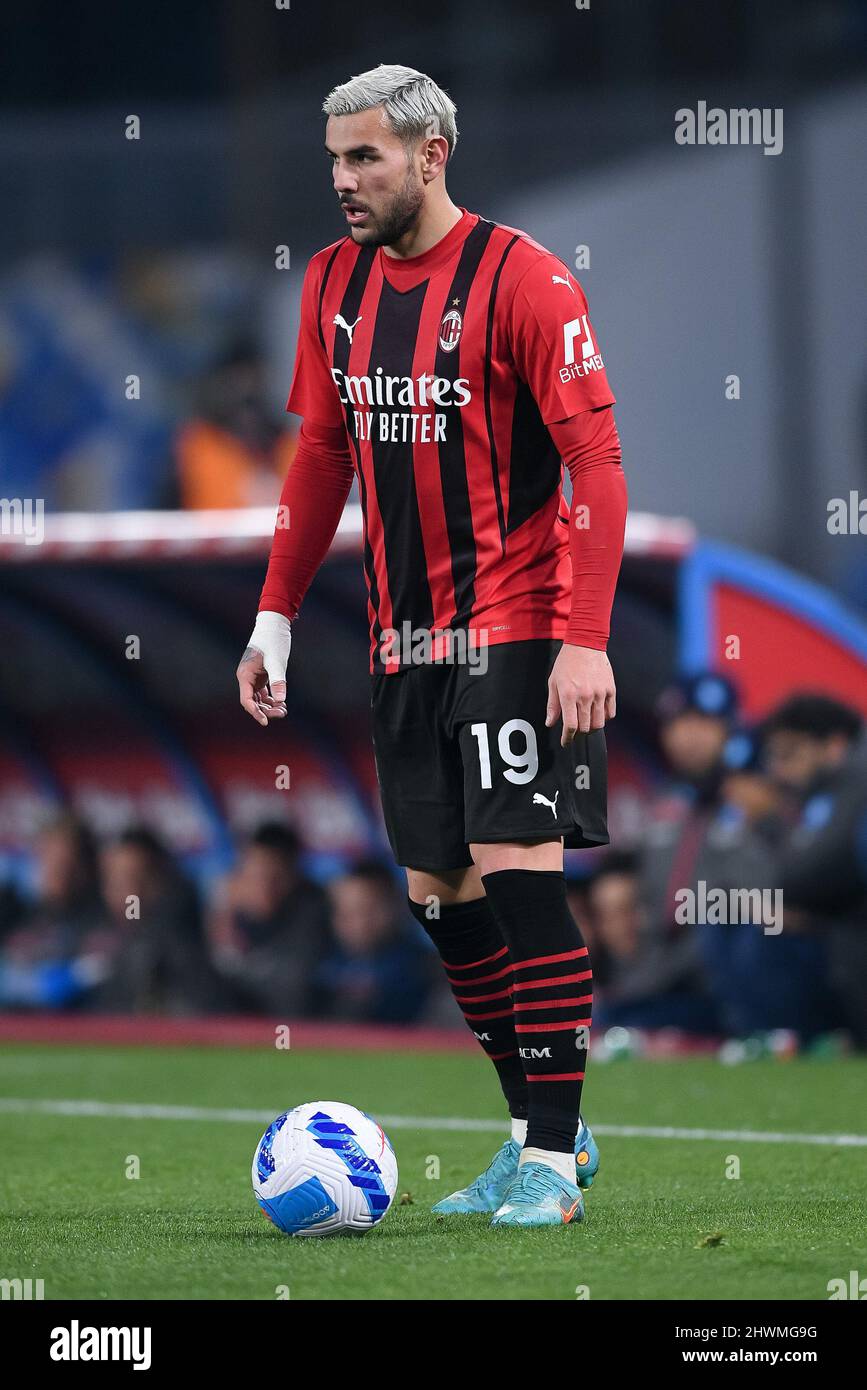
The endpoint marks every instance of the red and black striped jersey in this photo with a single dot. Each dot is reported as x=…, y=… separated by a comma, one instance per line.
x=445, y=370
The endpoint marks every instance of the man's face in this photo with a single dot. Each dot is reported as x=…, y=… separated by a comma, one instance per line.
x=693, y=742
x=616, y=910
x=380, y=190
x=265, y=879
x=61, y=872
x=126, y=870
x=793, y=759
x=363, y=916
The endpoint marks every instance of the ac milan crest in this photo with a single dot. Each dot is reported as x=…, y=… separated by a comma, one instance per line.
x=450, y=330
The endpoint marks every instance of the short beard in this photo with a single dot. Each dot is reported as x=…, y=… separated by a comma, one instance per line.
x=400, y=217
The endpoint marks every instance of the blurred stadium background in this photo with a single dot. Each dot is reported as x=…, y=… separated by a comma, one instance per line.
x=148, y=311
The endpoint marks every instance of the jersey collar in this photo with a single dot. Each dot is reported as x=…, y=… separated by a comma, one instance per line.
x=405, y=273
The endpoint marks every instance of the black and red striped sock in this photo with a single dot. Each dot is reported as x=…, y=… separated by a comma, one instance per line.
x=478, y=968
x=552, y=993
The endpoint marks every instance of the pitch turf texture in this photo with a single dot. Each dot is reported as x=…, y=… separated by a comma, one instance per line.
x=663, y=1219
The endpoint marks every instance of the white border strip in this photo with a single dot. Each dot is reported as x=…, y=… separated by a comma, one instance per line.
x=141, y=531
x=100, y=1109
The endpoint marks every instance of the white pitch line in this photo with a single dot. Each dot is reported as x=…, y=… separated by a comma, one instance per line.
x=101, y=1109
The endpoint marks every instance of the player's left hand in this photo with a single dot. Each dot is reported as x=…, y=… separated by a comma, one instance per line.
x=581, y=690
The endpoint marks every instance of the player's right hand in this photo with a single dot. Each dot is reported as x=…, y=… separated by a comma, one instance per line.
x=262, y=669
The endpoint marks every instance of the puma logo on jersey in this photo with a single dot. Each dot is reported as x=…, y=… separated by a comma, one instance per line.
x=540, y=800
x=558, y=280
x=340, y=322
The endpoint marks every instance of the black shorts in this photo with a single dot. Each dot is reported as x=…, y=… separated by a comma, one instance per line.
x=463, y=756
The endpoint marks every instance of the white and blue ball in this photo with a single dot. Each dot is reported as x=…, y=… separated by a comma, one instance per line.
x=323, y=1168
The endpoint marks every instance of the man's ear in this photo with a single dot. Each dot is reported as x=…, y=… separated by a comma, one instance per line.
x=434, y=157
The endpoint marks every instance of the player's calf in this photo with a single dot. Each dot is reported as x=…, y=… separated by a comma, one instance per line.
x=479, y=972
x=552, y=996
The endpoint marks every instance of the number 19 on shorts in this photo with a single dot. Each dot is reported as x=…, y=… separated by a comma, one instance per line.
x=516, y=741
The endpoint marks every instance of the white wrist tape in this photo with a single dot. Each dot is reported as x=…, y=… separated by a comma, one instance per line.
x=272, y=636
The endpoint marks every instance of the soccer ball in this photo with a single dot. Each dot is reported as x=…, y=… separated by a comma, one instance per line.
x=323, y=1168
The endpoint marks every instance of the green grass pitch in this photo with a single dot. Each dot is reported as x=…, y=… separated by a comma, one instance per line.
x=664, y=1221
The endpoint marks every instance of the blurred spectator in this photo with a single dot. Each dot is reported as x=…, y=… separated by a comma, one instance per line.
x=641, y=979
x=717, y=829
x=269, y=926
x=695, y=716
x=378, y=971
x=816, y=749
x=616, y=919
x=139, y=865
x=39, y=965
x=67, y=873
x=747, y=790
x=152, y=956
x=233, y=454
x=763, y=974
x=681, y=847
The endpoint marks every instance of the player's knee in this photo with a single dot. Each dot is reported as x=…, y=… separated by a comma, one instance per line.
x=525, y=854
x=448, y=886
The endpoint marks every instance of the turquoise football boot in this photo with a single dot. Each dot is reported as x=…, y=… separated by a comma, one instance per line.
x=586, y=1156
x=486, y=1193
x=538, y=1196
